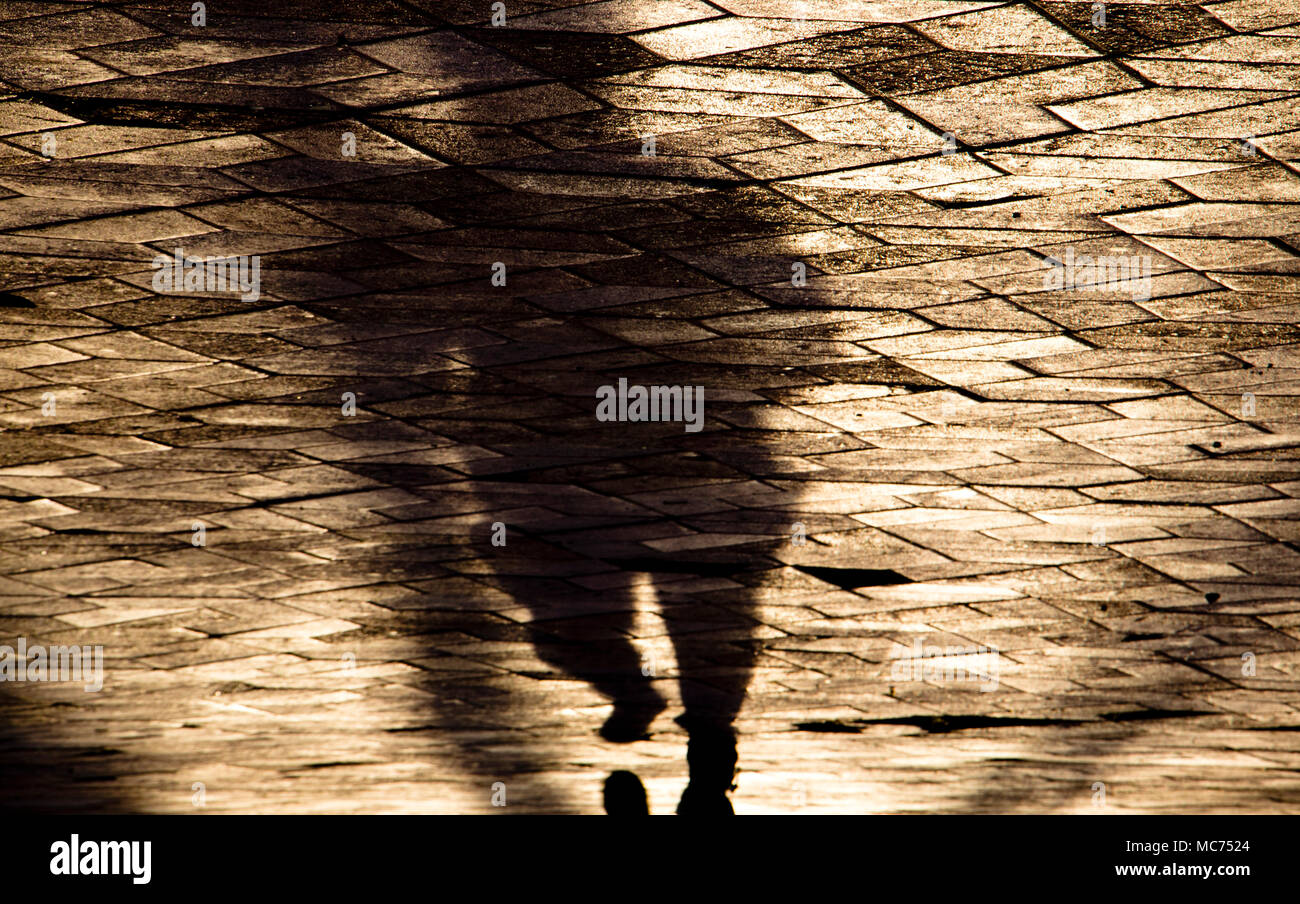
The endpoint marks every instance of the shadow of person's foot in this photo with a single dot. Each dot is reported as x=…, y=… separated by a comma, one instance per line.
x=711, y=757
x=704, y=802
x=625, y=795
x=631, y=721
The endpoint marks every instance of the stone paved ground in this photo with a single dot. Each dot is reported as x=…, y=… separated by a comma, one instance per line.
x=1099, y=482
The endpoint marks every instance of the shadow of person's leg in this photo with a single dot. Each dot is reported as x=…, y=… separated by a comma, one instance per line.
x=714, y=675
x=587, y=635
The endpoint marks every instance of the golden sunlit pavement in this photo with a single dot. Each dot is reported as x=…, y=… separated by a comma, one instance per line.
x=788, y=407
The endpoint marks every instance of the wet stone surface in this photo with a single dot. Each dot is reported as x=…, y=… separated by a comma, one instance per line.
x=363, y=542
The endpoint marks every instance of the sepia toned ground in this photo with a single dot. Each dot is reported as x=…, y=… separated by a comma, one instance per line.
x=837, y=217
